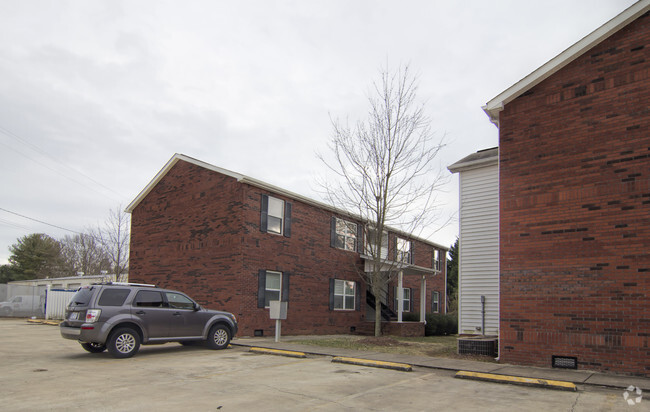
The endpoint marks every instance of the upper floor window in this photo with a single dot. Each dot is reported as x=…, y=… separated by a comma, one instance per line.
x=437, y=259
x=275, y=216
x=371, y=244
x=403, y=250
x=344, y=234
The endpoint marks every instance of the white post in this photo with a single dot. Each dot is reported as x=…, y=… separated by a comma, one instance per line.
x=47, y=295
x=278, y=325
x=423, y=299
x=400, y=296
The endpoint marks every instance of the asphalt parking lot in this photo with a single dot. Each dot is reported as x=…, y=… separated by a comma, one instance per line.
x=42, y=371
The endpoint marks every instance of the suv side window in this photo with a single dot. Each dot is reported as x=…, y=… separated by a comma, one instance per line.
x=178, y=301
x=113, y=297
x=148, y=299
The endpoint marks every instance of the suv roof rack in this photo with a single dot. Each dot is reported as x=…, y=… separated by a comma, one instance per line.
x=127, y=284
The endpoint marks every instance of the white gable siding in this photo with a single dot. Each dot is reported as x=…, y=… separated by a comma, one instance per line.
x=478, y=269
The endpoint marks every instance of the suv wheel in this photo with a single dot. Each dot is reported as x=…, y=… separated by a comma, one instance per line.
x=123, y=343
x=93, y=347
x=219, y=337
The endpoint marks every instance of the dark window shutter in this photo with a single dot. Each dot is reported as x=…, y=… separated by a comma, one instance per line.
x=359, y=238
x=331, y=294
x=261, y=288
x=287, y=219
x=357, y=297
x=412, y=258
x=333, y=232
x=265, y=213
x=285, y=287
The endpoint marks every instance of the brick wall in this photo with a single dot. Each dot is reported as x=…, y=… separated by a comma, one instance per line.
x=199, y=231
x=575, y=211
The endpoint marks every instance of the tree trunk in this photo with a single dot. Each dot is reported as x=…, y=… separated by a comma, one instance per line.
x=377, y=316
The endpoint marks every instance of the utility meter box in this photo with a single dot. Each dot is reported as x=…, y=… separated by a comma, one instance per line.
x=278, y=310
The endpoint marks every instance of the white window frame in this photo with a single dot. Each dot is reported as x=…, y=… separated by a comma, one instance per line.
x=437, y=259
x=276, y=202
x=344, y=294
x=406, y=301
x=435, y=302
x=403, y=248
x=267, y=290
x=383, y=253
x=347, y=235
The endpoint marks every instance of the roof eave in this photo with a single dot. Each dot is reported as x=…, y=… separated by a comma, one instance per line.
x=496, y=105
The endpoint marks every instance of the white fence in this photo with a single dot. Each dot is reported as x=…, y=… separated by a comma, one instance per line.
x=57, y=301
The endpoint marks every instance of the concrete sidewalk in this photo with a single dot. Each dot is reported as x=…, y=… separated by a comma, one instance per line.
x=579, y=377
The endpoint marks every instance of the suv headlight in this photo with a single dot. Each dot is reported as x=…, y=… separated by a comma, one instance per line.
x=92, y=315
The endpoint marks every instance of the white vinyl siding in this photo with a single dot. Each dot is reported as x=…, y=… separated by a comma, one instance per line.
x=479, y=250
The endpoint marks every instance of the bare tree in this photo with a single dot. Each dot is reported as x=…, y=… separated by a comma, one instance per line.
x=83, y=253
x=114, y=237
x=385, y=172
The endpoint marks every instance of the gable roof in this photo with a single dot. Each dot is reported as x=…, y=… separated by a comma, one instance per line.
x=482, y=158
x=494, y=106
x=256, y=183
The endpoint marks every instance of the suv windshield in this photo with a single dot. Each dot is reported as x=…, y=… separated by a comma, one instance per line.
x=82, y=297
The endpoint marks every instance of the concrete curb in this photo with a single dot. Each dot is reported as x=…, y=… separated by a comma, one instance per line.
x=404, y=367
x=517, y=380
x=292, y=354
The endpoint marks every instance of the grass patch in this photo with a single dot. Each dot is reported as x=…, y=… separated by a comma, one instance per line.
x=434, y=346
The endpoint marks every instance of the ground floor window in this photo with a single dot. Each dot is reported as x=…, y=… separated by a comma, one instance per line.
x=344, y=294
x=435, y=301
x=406, y=300
x=272, y=286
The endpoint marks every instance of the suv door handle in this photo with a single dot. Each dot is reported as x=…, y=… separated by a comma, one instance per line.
x=177, y=314
x=141, y=312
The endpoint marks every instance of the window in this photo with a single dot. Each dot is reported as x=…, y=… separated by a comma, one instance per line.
x=344, y=234
x=272, y=285
x=435, y=301
x=113, y=297
x=403, y=250
x=344, y=293
x=275, y=216
x=273, y=288
x=149, y=299
x=437, y=259
x=406, y=300
x=371, y=243
x=178, y=301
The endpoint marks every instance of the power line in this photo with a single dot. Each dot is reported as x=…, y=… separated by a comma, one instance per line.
x=40, y=221
x=42, y=152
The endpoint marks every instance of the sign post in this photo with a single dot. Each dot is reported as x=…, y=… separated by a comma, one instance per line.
x=277, y=311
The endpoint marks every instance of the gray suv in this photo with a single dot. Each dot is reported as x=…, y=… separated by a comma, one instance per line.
x=121, y=316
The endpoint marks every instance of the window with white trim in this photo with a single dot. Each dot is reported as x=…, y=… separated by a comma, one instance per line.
x=344, y=294
x=406, y=299
x=403, y=250
x=437, y=259
x=435, y=301
x=273, y=288
x=346, y=235
x=275, y=215
x=371, y=245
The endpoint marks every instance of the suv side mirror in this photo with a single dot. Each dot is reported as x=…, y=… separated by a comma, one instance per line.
x=197, y=307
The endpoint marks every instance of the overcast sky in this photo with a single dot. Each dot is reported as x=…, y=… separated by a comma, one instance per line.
x=96, y=96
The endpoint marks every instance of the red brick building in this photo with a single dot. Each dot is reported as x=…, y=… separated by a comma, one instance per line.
x=235, y=243
x=574, y=198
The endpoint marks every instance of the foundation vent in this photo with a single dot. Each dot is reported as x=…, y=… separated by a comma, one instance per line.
x=565, y=362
